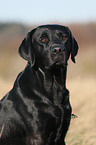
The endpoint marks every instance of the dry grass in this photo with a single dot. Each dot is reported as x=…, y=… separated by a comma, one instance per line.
x=82, y=85
x=83, y=99
x=5, y=86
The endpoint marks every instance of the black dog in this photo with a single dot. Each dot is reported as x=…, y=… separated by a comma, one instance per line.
x=37, y=110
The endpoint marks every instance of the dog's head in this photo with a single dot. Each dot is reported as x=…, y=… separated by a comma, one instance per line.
x=49, y=46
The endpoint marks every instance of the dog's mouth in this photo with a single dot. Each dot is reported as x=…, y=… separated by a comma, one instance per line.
x=57, y=64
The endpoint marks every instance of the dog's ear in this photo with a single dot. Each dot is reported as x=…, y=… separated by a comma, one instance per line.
x=74, y=46
x=26, y=49
x=74, y=49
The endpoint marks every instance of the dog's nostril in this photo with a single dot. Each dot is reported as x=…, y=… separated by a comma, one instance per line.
x=60, y=50
x=54, y=50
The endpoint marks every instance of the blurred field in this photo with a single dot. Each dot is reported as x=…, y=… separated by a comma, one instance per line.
x=82, y=86
x=81, y=81
x=83, y=99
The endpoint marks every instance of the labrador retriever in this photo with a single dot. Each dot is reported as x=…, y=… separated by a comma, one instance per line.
x=37, y=110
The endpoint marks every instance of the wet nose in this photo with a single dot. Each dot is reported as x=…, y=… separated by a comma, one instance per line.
x=57, y=49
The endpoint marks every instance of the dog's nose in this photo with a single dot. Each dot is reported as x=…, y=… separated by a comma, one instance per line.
x=57, y=49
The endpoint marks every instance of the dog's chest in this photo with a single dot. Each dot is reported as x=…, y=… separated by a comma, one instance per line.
x=55, y=123
x=57, y=93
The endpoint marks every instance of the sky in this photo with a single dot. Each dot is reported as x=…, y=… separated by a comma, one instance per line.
x=47, y=11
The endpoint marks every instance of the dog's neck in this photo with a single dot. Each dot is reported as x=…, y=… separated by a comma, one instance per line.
x=54, y=80
x=57, y=75
x=48, y=82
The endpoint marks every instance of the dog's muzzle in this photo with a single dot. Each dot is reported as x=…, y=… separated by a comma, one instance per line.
x=57, y=57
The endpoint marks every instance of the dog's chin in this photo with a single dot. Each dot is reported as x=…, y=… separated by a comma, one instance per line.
x=57, y=65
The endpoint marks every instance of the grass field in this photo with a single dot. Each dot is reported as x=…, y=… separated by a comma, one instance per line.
x=83, y=99
x=81, y=81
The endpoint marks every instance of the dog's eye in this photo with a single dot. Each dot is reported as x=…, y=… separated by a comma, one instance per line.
x=63, y=37
x=44, y=40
